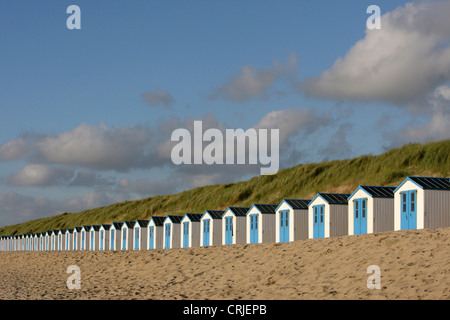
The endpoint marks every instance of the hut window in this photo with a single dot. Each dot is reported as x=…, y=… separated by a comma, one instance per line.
x=364, y=208
x=356, y=202
x=404, y=201
x=413, y=201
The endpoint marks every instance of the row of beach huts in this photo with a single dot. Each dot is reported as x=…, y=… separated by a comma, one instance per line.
x=417, y=203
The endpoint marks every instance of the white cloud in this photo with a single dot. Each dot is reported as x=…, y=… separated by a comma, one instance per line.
x=251, y=83
x=435, y=129
x=41, y=175
x=403, y=61
x=96, y=147
x=13, y=149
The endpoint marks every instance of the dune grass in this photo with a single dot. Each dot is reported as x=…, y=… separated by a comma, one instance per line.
x=299, y=182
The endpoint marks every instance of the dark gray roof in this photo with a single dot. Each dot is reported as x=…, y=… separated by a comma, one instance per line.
x=96, y=227
x=335, y=198
x=194, y=217
x=117, y=225
x=266, y=208
x=106, y=226
x=158, y=221
x=78, y=229
x=215, y=214
x=239, y=211
x=298, y=203
x=130, y=224
x=143, y=223
x=432, y=183
x=175, y=219
x=379, y=192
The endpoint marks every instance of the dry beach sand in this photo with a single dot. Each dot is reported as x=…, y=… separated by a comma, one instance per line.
x=414, y=265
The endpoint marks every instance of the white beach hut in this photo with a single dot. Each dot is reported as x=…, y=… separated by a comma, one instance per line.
x=211, y=228
x=328, y=215
x=234, y=222
x=140, y=235
x=68, y=240
x=115, y=233
x=84, y=240
x=422, y=202
x=261, y=223
x=127, y=235
x=371, y=209
x=94, y=241
x=77, y=238
x=190, y=230
x=172, y=227
x=156, y=233
x=104, y=235
x=291, y=220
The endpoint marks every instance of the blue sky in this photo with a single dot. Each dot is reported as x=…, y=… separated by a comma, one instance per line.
x=88, y=114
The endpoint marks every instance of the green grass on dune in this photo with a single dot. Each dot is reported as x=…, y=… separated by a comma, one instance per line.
x=299, y=182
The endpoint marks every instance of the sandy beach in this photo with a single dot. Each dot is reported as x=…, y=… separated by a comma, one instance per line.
x=414, y=264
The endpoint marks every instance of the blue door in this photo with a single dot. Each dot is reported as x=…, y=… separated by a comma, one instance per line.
x=360, y=216
x=136, y=238
x=92, y=240
x=229, y=230
x=318, y=221
x=82, y=240
x=408, y=209
x=185, y=234
x=151, y=238
x=167, y=236
x=284, y=226
x=112, y=244
x=101, y=239
x=253, y=228
x=206, y=230
x=75, y=240
x=124, y=239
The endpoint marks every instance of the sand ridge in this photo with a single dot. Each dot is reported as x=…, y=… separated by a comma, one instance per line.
x=414, y=264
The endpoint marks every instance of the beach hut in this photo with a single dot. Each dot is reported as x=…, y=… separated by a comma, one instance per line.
x=127, y=235
x=36, y=241
x=84, y=239
x=211, y=228
x=48, y=242
x=172, y=227
x=42, y=241
x=156, y=233
x=261, y=223
x=422, y=202
x=140, y=235
x=77, y=238
x=234, y=222
x=60, y=239
x=104, y=235
x=25, y=242
x=94, y=240
x=115, y=235
x=328, y=215
x=190, y=230
x=371, y=209
x=291, y=220
x=68, y=239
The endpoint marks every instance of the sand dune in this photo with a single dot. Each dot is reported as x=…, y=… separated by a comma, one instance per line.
x=414, y=265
